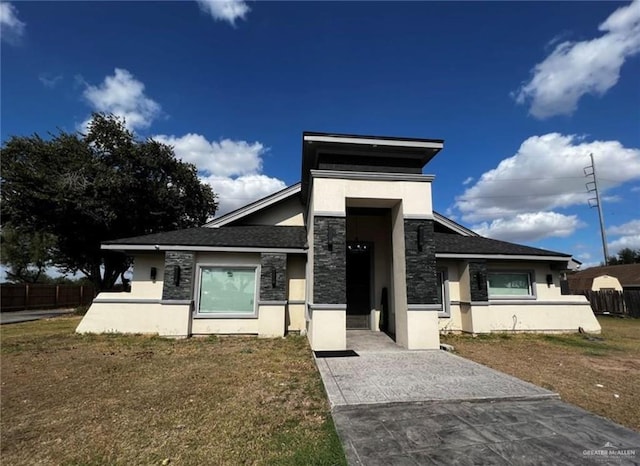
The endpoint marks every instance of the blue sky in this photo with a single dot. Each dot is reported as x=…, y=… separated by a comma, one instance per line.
x=520, y=92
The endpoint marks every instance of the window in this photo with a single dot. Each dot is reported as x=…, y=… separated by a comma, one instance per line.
x=508, y=284
x=227, y=291
x=443, y=293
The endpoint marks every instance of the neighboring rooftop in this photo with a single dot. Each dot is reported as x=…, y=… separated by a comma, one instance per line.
x=627, y=274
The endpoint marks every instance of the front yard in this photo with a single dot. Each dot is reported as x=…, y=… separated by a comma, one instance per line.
x=68, y=399
x=599, y=373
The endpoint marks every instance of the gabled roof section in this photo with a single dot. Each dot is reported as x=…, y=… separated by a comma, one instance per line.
x=453, y=226
x=454, y=246
x=257, y=237
x=254, y=207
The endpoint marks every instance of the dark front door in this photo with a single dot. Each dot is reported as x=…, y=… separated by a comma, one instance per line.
x=358, y=284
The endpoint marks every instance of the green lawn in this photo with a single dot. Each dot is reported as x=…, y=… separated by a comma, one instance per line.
x=69, y=399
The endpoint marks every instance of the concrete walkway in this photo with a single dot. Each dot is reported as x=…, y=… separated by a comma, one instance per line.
x=397, y=407
x=386, y=373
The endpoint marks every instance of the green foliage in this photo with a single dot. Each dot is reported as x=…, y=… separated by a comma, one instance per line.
x=87, y=189
x=26, y=254
x=625, y=256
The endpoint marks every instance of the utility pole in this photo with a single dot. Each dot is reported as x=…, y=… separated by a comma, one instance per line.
x=592, y=187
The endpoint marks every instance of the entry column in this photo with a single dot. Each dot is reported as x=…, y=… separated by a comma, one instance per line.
x=327, y=329
x=422, y=285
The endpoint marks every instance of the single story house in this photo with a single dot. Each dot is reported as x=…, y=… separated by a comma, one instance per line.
x=354, y=245
x=623, y=277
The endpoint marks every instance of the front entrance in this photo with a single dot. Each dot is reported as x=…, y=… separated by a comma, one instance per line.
x=359, y=267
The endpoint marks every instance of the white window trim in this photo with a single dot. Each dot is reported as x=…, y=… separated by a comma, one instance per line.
x=229, y=315
x=532, y=285
x=446, y=304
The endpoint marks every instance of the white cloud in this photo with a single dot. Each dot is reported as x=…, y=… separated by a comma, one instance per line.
x=629, y=228
x=530, y=226
x=49, y=80
x=467, y=180
x=547, y=173
x=225, y=10
x=232, y=168
x=629, y=234
x=11, y=28
x=123, y=95
x=635, y=189
x=630, y=241
x=237, y=192
x=223, y=158
x=575, y=69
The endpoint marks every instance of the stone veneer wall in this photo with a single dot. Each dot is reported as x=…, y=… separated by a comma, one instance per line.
x=184, y=290
x=269, y=262
x=478, y=281
x=329, y=266
x=422, y=280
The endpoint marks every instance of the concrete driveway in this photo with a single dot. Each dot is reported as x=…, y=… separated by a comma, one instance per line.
x=393, y=406
x=14, y=317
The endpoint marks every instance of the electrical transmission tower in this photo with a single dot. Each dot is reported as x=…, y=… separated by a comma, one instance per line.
x=592, y=187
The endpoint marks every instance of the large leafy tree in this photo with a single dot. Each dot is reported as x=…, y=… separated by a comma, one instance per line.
x=86, y=189
x=626, y=256
x=26, y=255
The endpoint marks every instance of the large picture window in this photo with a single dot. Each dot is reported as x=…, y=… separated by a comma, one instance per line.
x=507, y=284
x=227, y=291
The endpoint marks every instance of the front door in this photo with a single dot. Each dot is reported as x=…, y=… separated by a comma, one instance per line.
x=358, y=284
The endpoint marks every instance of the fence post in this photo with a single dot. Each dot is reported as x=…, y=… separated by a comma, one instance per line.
x=57, y=295
x=26, y=296
x=81, y=295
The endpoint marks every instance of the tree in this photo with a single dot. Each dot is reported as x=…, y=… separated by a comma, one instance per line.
x=26, y=254
x=87, y=189
x=625, y=256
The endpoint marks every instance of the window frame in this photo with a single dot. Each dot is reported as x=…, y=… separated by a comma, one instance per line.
x=446, y=303
x=531, y=276
x=226, y=315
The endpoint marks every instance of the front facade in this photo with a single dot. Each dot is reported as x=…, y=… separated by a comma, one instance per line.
x=355, y=245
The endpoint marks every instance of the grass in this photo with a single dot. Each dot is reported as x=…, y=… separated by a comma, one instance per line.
x=70, y=399
x=599, y=373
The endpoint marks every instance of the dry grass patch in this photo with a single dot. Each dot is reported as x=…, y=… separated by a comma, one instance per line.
x=112, y=399
x=585, y=370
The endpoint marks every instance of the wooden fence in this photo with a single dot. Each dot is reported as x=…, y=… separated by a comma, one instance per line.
x=615, y=302
x=42, y=296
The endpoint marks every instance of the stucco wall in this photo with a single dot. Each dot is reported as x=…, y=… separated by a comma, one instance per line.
x=295, y=314
x=329, y=194
x=327, y=330
x=111, y=315
x=141, y=284
x=285, y=213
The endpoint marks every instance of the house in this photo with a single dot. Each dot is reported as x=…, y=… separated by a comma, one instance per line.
x=624, y=277
x=355, y=244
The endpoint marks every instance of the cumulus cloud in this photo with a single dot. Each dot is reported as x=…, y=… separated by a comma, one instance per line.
x=630, y=241
x=467, y=180
x=530, y=226
x=516, y=201
x=123, y=95
x=225, y=10
x=547, y=173
x=629, y=228
x=575, y=69
x=232, y=168
x=223, y=158
x=11, y=28
x=237, y=192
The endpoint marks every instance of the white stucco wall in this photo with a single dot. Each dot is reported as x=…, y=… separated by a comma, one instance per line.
x=296, y=293
x=285, y=213
x=329, y=195
x=141, y=284
x=110, y=315
x=327, y=330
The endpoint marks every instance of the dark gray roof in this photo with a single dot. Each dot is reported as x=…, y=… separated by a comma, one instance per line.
x=262, y=236
x=457, y=244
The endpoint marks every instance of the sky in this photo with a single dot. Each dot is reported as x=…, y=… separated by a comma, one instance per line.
x=520, y=92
